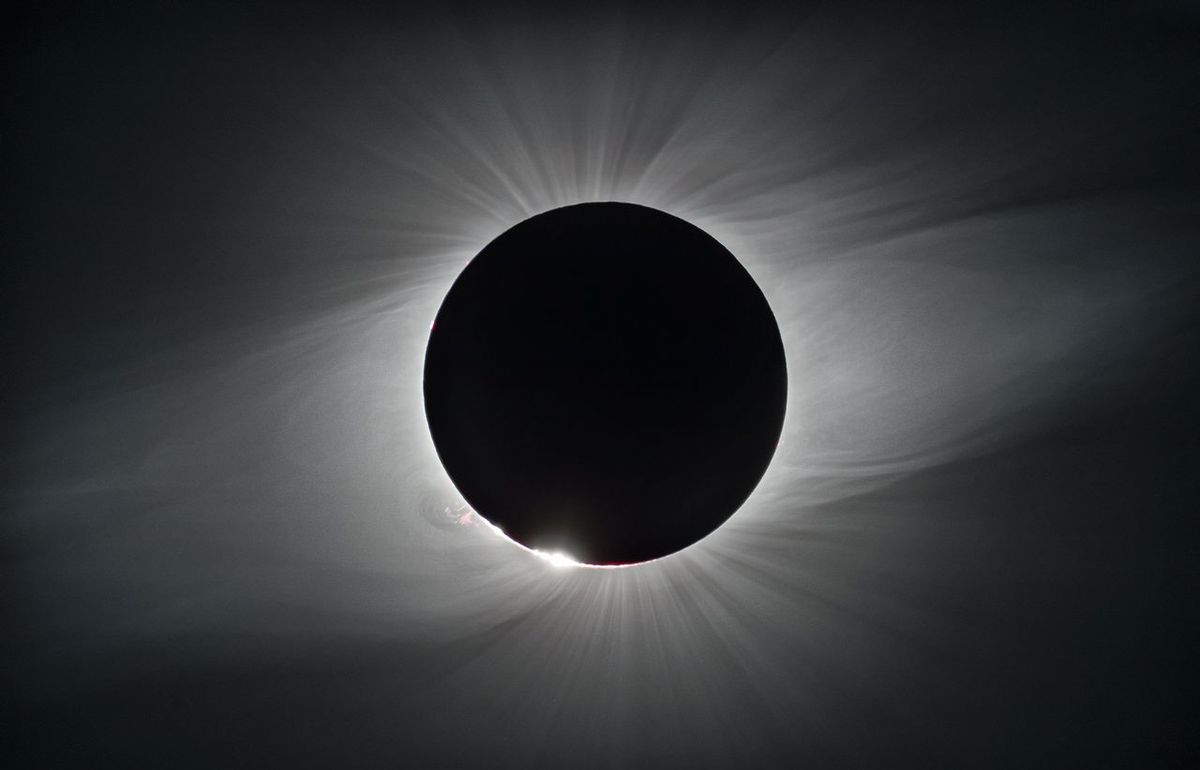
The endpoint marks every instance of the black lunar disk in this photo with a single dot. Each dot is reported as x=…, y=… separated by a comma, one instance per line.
x=605, y=380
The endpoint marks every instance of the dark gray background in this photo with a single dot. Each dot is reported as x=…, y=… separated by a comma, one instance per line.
x=227, y=542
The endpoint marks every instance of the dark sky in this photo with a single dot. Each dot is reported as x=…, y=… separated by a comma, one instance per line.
x=227, y=540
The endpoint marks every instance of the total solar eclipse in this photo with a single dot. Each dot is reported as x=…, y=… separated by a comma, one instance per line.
x=605, y=380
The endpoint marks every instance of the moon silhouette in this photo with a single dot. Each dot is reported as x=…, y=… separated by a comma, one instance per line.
x=605, y=380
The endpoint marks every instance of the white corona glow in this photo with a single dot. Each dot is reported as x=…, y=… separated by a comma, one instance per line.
x=274, y=474
x=558, y=559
